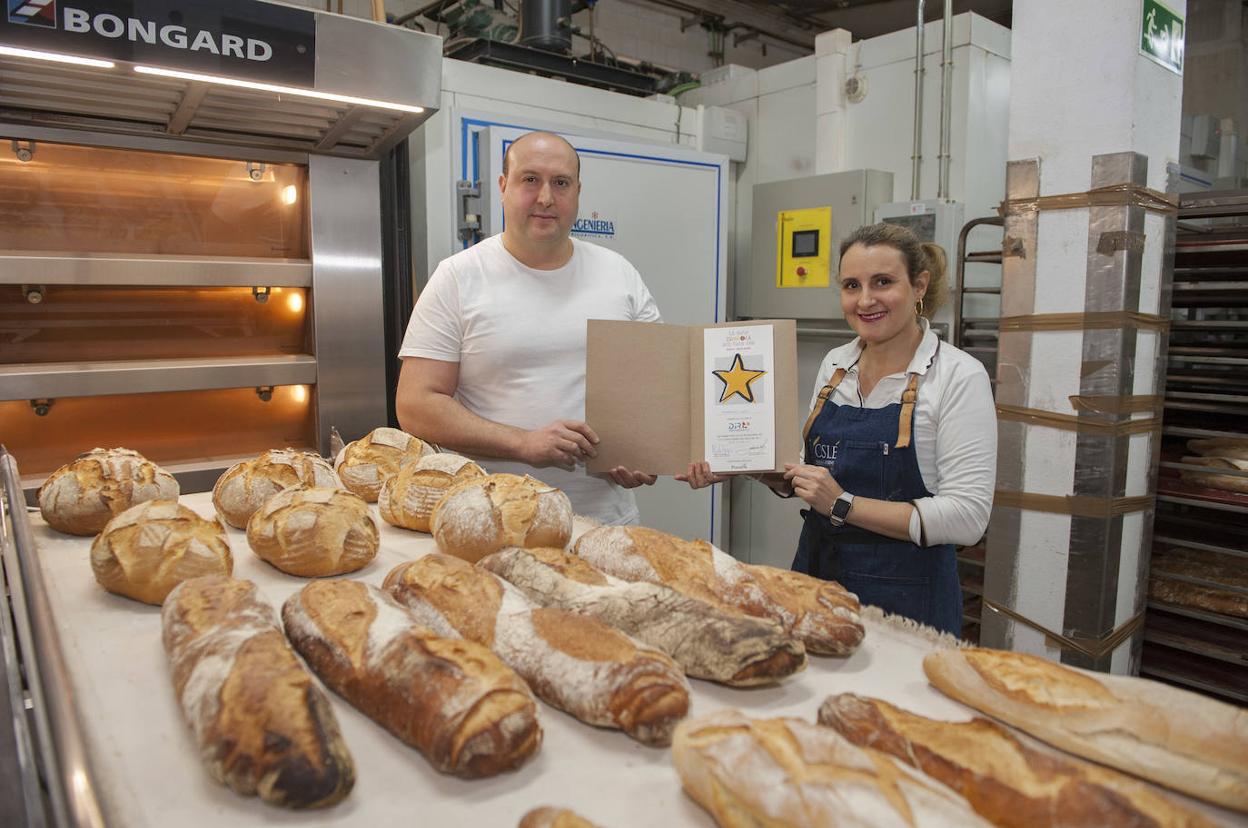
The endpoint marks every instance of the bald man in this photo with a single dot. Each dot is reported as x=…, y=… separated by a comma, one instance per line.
x=494, y=356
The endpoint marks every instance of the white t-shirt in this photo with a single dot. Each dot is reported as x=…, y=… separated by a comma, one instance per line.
x=518, y=335
x=955, y=432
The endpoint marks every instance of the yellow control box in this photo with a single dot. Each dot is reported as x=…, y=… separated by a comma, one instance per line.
x=802, y=255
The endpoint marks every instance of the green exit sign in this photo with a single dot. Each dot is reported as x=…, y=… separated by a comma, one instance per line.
x=1161, y=36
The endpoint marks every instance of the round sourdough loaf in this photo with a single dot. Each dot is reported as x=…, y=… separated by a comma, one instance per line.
x=478, y=517
x=314, y=532
x=147, y=550
x=366, y=463
x=247, y=485
x=81, y=496
x=407, y=499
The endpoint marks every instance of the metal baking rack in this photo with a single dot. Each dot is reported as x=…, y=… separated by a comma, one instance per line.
x=1206, y=397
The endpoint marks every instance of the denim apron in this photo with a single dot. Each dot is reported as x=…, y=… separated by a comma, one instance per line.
x=870, y=453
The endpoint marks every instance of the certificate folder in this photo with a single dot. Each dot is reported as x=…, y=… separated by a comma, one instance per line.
x=644, y=394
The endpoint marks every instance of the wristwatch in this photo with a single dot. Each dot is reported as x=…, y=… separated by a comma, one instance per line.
x=840, y=509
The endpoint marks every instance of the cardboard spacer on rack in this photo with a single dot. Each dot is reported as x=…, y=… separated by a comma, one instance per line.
x=1074, y=505
x=1109, y=404
x=1072, y=422
x=1093, y=648
x=1112, y=241
x=1115, y=195
x=1095, y=320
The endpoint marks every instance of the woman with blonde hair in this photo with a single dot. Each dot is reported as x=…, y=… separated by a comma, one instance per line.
x=900, y=448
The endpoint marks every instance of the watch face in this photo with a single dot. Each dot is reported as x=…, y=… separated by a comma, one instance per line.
x=840, y=508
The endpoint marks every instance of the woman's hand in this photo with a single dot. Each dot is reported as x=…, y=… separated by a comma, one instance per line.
x=815, y=485
x=700, y=476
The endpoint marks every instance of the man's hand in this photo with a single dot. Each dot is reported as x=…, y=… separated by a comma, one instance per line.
x=699, y=476
x=815, y=485
x=563, y=443
x=630, y=479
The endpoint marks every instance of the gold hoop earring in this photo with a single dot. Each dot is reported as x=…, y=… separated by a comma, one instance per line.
x=918, y=308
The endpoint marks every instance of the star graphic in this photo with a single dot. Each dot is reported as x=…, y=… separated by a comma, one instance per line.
x=737, y=380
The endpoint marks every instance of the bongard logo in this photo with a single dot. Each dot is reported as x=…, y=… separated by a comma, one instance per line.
x=173, y=36
x=33, y=13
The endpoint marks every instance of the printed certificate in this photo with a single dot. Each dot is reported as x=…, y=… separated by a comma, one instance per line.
x=739, y=403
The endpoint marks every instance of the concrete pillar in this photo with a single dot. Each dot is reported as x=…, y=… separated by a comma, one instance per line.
x=1087, y=110
x=832, y=68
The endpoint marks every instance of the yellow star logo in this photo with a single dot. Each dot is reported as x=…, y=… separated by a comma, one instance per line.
x=737, y=380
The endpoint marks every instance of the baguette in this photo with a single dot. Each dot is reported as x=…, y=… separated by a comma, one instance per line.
x=750, y=773
x=1172, y=737
x=1006, y=782
x=262, y=723
x=452, y=700
x=547, y=817
x=574, y=663
x=820, y=614
x=705, y=641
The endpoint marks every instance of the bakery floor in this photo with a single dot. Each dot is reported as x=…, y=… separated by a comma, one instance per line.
x=148, y=771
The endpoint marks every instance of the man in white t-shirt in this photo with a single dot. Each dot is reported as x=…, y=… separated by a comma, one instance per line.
x=494, y=356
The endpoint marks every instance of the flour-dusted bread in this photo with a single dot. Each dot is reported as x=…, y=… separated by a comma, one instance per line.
x=1232, y=448
x=820, y=614
x=1213, y=480
x=247, y=485
x=1198, y=578
x=150, y=548
x=706, y=641
x=481, y=516
x=451, y=699
x=547, y=817
x=1182, y=740
x=83, y=495
x=750, y=773
x=577, y=664
x=1006, y=781
x=314, y=532
x=365, y=464
x=261, y=722
x=407, y=499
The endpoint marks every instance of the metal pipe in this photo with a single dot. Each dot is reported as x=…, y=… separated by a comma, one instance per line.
x=916, y=157
x=946, y=99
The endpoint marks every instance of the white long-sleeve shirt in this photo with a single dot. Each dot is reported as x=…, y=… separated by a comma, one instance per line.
x=955, y=433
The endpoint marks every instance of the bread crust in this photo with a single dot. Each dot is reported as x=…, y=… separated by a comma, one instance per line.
x=547, y=817
x=453, y=700
x=407, y=499
x=245, y=486
x=480, y=516
x=365, y=464
x=314, y=532
x=262, y=724
x=86, y=493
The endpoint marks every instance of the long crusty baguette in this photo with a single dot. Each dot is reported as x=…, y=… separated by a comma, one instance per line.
x=1175, y=738
x=705, y=641
x=451, y=699
x=575, y=663
x=1007, y=782
x=820, y=614
x=750, y=773
x=262, y=723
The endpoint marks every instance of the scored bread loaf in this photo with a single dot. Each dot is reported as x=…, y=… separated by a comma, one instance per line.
x=1182, y=740
x=451, y=699
x=547, y=817
x=707, y=642
x=247, y=485
x=365, y=464
x=820, y=614
x=1006, y=781
x=314, y=532
x=481, y=516
x=150, y=548
x=785, y=772
x=83, y=495
x=577, y=664
x=261, y=722
x=408, y=497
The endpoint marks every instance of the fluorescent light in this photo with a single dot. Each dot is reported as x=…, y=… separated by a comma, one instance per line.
x=55, y=57
x=272, y=87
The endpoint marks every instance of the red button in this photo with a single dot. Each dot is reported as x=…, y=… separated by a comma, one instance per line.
x=801, y=271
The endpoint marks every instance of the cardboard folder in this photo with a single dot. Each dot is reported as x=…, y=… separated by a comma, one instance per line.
x=644, y=394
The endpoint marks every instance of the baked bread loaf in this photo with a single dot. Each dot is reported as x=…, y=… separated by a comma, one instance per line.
x=785, y=772
x=707, y=642
x=1168, y=562
x=407, y=498
x=1210, y=480
x=83, y=495
x=1172, y=737
x=452, y=700
x=150, y=548
x=262, y=723
x=820, y=614
x=574, y=663
x=1007, y=782
x=481, y=516
x=547, y=817
x=314, y=532
x=245, y=486
x=365, y=464
x=1232, y=448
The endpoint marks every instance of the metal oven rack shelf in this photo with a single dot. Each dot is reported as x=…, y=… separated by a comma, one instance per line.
x=1196, y=624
